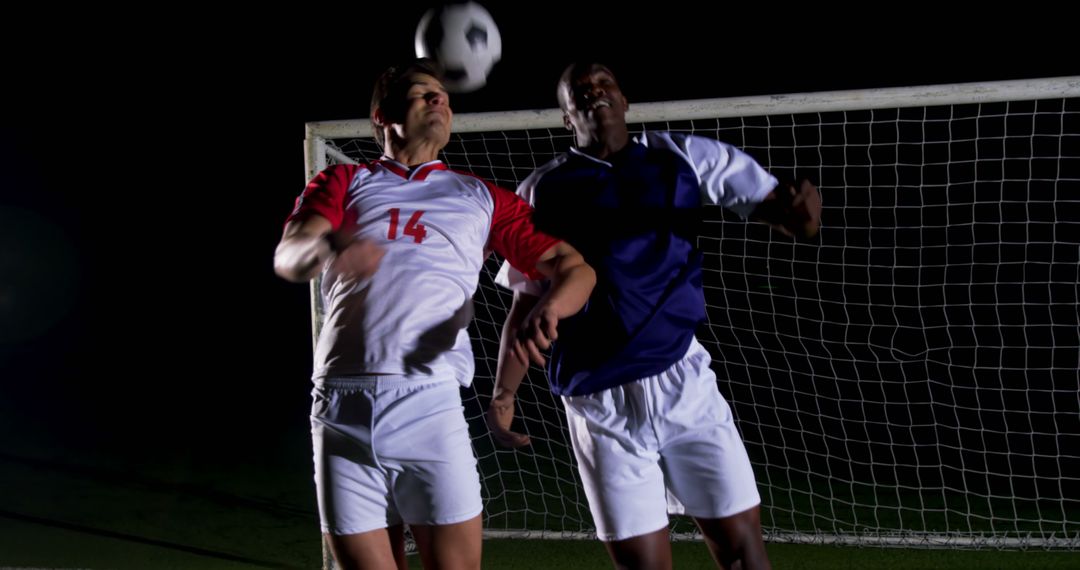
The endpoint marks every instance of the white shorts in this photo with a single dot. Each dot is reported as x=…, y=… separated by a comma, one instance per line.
x=662, y=444
x=391, y=449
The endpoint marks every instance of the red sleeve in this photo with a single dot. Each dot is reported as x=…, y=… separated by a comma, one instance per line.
x=325, y=195
x=513, y=234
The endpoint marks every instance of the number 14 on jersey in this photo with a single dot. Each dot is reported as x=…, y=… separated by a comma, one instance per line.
x=412, y=228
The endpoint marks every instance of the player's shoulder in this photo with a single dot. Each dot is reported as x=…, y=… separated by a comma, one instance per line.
x=548, y=166
x=347, y=170
x=678, y=142
x=700, y=152
x=469, y=179
x=527, y=188
x=355, y=173
x=475, y=185
x=337, y=178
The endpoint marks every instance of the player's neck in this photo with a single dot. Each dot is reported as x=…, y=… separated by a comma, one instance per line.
x=604, y=145
x=414, y=154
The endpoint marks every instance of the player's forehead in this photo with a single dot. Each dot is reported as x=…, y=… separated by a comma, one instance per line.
x=593, y=73
x=423, y=82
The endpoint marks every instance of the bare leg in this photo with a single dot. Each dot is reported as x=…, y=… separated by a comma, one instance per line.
x=381, y=549
x=735, y=541
x=645, y=552
x=449, y=546
x=397, y=545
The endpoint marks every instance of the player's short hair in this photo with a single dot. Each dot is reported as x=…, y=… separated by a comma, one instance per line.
x=391, y=88
x=573, y=70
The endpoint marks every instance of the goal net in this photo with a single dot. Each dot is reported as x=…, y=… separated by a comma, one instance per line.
x=910, y=376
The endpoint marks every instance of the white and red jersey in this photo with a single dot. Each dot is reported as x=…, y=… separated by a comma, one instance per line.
x=437, y=227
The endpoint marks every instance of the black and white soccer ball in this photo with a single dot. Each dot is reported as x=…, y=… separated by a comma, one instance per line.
x=465, y=41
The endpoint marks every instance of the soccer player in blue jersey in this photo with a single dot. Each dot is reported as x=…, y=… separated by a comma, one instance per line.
x=650, y=431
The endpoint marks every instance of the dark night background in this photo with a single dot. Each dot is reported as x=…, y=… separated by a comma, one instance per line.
x=147, y=168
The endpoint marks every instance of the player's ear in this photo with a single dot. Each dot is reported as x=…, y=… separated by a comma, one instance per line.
x=566, y=122
x=379, y=118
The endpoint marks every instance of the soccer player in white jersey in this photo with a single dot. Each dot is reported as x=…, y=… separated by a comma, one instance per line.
x=400, y=243
x=650, y=431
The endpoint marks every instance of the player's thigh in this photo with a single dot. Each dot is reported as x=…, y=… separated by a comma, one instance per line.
x=451, y=546
x=736, y=539
x=380, y=549
x=651, y=550
x=619, y=467
x=711, y=476
x=430, y=451
x=352, y=488
x=704, y=459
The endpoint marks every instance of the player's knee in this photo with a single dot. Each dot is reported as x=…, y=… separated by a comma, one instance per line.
x=747, y=549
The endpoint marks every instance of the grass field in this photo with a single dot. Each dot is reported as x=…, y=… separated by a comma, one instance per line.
x=29, y=545
x=120, y=507
x=574, y=555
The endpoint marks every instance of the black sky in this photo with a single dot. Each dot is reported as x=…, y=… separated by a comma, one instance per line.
x=147, y=169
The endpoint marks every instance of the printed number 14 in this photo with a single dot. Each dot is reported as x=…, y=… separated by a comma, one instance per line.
x=412, y=228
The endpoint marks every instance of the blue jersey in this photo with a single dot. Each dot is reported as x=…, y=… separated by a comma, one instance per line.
x=634, y=218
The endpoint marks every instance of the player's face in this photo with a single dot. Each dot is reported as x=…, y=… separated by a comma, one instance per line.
x=427, y=110
x=593, y=101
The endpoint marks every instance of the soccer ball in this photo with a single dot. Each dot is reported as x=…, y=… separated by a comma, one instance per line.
x=463, y=38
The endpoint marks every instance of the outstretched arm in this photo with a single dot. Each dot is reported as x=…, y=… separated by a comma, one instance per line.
x=793, y=209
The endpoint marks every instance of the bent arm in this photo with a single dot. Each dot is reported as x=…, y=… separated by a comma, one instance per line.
x=304, y=249
x=793, y=211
